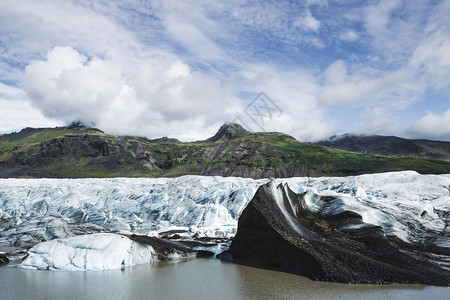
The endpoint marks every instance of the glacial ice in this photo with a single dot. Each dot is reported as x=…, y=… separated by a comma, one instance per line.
x=33, y=210
x=100, y=251
x=411, y=206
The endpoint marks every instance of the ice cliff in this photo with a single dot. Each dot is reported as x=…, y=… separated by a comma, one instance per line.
x=34, y=210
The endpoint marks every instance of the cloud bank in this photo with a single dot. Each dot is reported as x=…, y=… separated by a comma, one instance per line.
x=68, y=86
x=182, y=68
x=433, y=125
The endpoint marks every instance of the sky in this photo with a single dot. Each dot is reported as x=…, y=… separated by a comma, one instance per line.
x=311, y=69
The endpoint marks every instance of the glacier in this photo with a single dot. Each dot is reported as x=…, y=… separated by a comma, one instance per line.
x=100, y=251
x=413, y=207
x=408, y=205
x=279, y=230
x=34, y=210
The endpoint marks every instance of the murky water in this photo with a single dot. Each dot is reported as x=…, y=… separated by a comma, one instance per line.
x=194, y=279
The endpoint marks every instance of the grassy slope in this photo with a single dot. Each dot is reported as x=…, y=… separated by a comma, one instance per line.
x=263, y=150
x=334, y=161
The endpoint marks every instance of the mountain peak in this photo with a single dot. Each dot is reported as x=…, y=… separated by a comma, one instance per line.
x=228, y=132
x=80, y=126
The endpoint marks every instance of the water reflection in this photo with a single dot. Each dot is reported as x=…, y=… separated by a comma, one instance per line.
x=255, y=283
x=193, y=279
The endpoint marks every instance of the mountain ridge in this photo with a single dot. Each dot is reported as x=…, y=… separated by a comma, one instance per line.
x=389, y=145
x=80, y=151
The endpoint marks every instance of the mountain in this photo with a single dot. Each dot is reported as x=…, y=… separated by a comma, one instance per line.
x=389, y=145
x=228, y=132
x=79, y=151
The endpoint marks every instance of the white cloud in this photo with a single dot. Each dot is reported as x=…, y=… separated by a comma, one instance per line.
x=295, y=92
x=378, y=120
x=193, y=38
x=129, y=88
x=378, y=16
x=307, y=22
x=317, y=2
x=67, y=86
x=10, y=93
x=432, y=125
x=367, y=86
x=395, y=28
x=174, y=67
x=349, y=36
x=432, y=59
x=32, y=28
x=17, y=112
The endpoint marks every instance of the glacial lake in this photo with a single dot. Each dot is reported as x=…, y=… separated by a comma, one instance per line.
x=193, y=279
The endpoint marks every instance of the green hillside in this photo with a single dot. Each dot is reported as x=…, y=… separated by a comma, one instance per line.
x=87, y=152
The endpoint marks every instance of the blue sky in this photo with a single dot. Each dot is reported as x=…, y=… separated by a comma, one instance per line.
x=183, y=68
